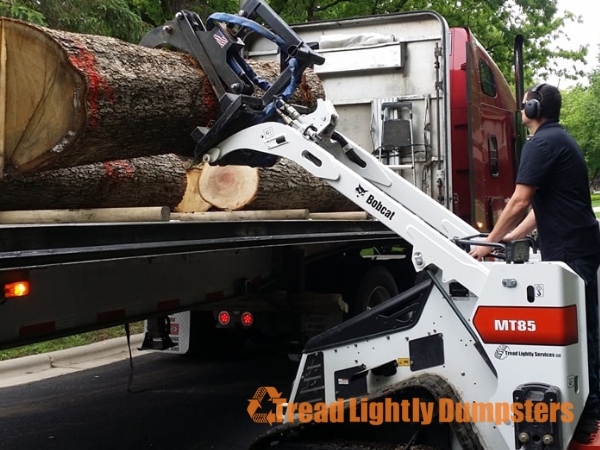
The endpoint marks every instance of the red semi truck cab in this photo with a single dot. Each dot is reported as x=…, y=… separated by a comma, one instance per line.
x=483, y=132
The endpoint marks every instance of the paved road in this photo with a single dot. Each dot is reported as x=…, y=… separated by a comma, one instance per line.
x=179, y=403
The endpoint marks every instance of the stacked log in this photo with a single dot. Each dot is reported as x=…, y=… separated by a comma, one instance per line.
x=94, y=122
x=138, y=182
x=286, y=183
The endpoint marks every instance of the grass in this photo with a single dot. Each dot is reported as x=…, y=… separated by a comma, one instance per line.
x=70, y=341
x=596, y=202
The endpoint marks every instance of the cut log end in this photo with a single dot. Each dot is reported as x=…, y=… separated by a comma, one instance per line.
x=228, y=187
x=44, y=96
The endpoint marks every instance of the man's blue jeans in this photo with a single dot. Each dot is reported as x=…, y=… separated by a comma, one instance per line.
x=587, y=269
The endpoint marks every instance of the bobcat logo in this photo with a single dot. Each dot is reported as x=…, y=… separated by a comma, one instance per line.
x=360, y=191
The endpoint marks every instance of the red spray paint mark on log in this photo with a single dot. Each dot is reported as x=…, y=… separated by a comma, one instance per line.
x=85, y=61
x=112, y=169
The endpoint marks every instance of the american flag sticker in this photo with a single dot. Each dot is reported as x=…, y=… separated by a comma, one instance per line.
x=220, y=38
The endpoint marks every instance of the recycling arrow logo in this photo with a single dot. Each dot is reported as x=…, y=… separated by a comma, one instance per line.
x=255, y=404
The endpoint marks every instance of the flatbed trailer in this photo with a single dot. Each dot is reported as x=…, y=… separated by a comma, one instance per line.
x=88, y=276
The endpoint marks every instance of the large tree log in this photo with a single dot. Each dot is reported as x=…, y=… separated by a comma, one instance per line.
x=68, y=99
x=286, y=185
x=139, y=182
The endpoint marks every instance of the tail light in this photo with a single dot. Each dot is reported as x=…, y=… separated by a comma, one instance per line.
x=224, y=318
x=247, y=319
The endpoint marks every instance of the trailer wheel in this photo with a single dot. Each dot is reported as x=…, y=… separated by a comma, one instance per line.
x=376, y=286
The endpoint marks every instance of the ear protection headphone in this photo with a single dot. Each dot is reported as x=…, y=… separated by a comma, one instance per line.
x=533, y=107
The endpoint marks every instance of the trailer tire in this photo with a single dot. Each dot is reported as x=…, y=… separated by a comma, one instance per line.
x=376, y=286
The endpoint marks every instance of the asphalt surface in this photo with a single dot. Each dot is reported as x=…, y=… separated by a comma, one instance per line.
x=166, y=402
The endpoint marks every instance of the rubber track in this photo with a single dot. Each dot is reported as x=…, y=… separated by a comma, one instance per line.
x=290, y=436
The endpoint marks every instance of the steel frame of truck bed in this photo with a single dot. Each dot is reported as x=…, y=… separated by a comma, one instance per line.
x=92, y=276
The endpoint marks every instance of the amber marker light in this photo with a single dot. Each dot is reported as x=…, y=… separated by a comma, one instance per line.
x=17, y=289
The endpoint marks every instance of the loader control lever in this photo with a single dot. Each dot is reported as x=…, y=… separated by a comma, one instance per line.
x=217, y=47
x=512, y=252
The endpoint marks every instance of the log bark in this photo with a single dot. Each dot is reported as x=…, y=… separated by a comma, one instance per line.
x=286, y=185
x=69, y=99
x=139, y=182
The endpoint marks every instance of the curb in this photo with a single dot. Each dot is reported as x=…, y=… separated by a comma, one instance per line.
x=46, y=365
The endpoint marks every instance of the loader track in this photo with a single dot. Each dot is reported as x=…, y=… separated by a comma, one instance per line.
x=296, y=436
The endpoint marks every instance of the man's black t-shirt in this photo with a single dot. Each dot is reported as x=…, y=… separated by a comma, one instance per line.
x=553, y=162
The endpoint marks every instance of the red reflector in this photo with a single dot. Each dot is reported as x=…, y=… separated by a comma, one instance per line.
x=224, y=318
x=247, y=319
x=37, y=329
x=527, y=326
x=18, y=289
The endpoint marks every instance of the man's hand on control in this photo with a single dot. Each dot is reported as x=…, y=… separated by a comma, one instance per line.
x=479, y=252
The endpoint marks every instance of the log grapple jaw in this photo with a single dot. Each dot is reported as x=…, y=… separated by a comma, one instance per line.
x=217, y=46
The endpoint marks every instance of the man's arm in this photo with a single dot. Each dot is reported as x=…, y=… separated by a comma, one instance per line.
x=523, y=229
x=510, y=217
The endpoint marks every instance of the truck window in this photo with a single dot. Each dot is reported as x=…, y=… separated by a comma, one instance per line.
x=493, y=156
x=488, y=82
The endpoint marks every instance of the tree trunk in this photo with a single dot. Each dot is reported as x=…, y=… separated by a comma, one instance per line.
x=140, y=182
x=69, y=99
x=286, y=185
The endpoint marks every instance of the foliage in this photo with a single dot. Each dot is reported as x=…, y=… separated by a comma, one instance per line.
x=108, y=17
x=580, y=113
x=494, y=22
x=124, y=19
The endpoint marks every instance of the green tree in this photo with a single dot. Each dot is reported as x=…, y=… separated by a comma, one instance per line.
x=581, y=110
x=495, y=23
x=124, y=19
x=115, y=18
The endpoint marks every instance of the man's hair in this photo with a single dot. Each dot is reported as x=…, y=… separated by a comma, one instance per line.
x=550, y=100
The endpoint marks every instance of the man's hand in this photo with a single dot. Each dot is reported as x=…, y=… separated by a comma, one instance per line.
x=480, y=252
